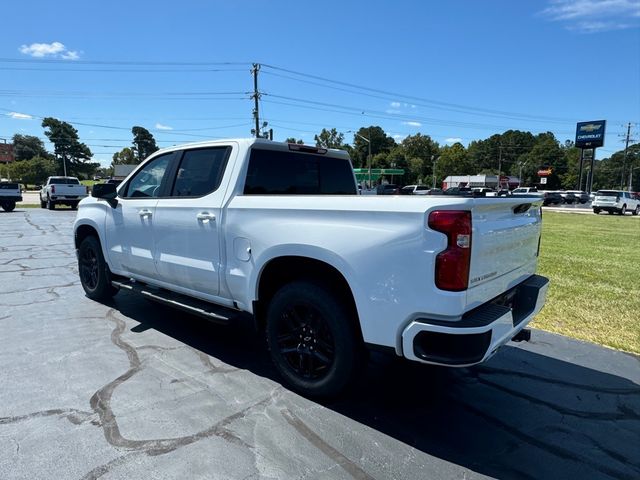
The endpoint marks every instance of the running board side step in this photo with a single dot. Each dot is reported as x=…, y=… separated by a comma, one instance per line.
x=212, y=312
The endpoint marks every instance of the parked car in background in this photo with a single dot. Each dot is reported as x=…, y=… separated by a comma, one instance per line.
x=581, y=197
x=615, y=201
x=435, y=191
x=525, y=191
x=551, y=198
x=114, y=181
x=568, y=197
x=10, y=193
x=486, y=191
x=388, y=189
x=457, y=191
x=62, y=191
x=414, y=190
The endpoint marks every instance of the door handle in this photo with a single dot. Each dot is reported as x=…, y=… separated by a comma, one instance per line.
x=205, y=216
x=145, y=213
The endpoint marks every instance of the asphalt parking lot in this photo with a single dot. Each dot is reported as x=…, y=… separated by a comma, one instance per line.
x=135, y=390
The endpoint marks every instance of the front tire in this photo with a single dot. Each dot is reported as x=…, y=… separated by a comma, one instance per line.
x=50, y=204
x=95, y=276
x=596, y=211
x=312, y=340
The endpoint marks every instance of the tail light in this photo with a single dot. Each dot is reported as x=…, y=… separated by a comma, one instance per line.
x=53, y=189
x=453, y=264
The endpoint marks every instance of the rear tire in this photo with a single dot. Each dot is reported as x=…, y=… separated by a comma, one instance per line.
x=74, y=206
x=596, y=211
x=312, y=340
x=95, y=275
x=623, y=210
x=636, y=212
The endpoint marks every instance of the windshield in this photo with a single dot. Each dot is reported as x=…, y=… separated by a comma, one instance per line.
x=607, y=193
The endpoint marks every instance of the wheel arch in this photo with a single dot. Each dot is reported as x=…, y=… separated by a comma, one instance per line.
x=281, y=270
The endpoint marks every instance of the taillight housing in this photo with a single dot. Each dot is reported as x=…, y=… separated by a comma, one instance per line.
x=53, y=189
x=87, y=187
x=453, y=264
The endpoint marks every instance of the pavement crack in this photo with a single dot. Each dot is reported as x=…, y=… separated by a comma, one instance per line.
x=101, y=404
x=303, y=429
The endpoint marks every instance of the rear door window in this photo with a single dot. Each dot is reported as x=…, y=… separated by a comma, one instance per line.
x=273, y=172
x=200, y=171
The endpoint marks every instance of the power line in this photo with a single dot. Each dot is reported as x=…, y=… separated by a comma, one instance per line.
x=420, y=99
x=116, y=62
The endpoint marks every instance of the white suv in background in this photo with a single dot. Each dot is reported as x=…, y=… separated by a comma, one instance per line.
x=615, y=201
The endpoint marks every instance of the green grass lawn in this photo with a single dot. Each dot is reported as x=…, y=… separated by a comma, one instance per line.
x=593, y=263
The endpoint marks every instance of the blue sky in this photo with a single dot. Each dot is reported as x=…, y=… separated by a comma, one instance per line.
x=450, y=69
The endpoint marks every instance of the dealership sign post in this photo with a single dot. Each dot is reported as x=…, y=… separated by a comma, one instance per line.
x=589, y=135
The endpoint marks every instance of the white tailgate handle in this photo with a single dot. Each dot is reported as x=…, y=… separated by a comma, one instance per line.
x=205, y=216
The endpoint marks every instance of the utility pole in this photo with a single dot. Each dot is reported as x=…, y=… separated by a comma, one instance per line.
x=499, y=167
x=256, y=97
x=624, y=159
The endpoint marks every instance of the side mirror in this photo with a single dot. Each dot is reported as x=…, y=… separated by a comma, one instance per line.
x=106, y=191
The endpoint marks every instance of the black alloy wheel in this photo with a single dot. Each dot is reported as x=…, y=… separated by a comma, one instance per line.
x=313, y=340
x=95, y=276
x=305, y=341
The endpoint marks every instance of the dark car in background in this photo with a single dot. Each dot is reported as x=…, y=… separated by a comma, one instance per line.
x=458, y=191
x=568, y=197
x=551, y=198
x=581, y=197
x=388, y=189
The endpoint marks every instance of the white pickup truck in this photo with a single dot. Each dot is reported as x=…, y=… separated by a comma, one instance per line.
x=278, y=231
x=62, y=191
x=10, y=193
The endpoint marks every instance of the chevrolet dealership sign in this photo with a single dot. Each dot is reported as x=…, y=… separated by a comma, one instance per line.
x=590, y=134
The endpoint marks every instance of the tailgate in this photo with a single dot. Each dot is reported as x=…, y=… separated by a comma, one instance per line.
x=504, y=248
x=70, y=190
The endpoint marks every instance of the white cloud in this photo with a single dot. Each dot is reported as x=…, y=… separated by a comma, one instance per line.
x=392, y=111
x=20, y=116
x=395, y=104
x=592, y=16
x=453, y=140
x=412, y=124
x=71, y=55
x=54, y=49
x=398, y=137
x=160, y=126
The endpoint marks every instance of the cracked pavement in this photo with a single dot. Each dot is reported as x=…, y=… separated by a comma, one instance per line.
x=136, y=390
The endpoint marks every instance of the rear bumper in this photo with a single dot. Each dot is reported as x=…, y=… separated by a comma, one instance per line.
x=480, y=333
x=14, y=198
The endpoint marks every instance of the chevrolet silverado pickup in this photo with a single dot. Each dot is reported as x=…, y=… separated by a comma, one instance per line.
x=62, y=191
x=278, y=232
x=10, y=193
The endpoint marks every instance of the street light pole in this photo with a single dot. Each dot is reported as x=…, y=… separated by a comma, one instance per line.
x=434, y=159
x=369, y=156
x=520, y=175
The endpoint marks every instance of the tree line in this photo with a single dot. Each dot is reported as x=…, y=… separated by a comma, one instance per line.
x=514, y=152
